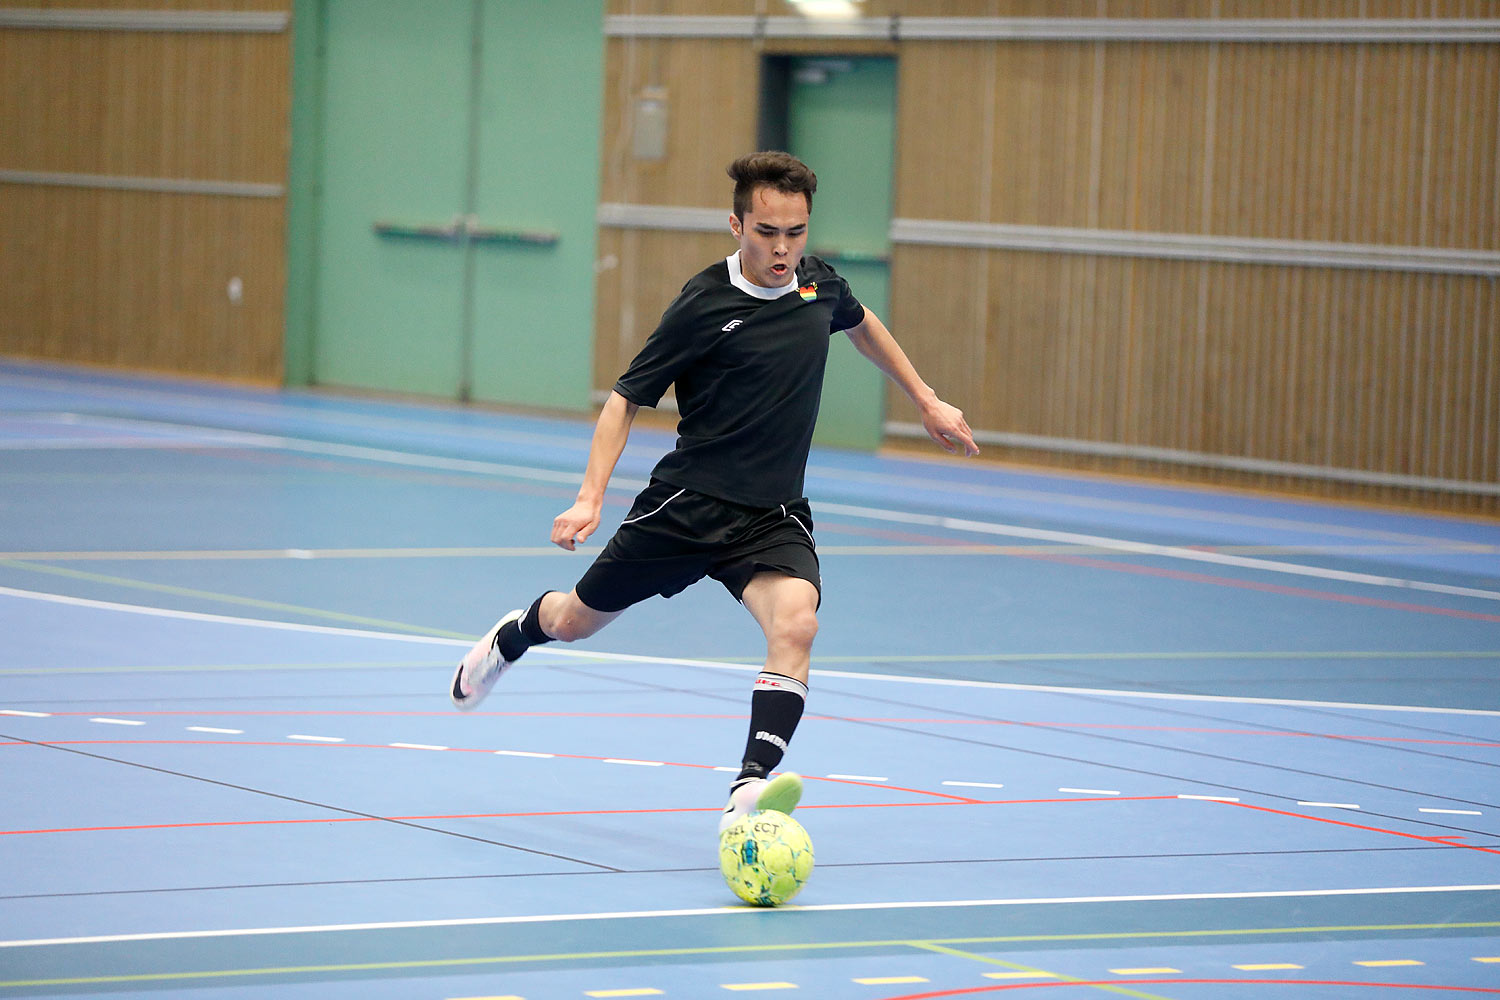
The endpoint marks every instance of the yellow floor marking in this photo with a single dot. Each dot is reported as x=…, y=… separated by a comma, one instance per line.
x=644, y=992
x=1488, y=958
x=890, y=980
x=1268, y=967
x=1020, y=975
x=244, y=975
x=251, y=602
x=1027, y=971
x=1386, y=963
x=758, y=986
x=1156, y=971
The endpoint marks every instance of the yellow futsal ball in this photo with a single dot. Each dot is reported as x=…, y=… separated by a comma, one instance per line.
x=766, y=858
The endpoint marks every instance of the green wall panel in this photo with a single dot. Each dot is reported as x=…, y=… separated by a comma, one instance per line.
x=302, y=190
x=394, y=120
x=403, y=113
x=539, y=153
x=842, y=122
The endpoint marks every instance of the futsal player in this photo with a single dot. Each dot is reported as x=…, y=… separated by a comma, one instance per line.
x=745, y=343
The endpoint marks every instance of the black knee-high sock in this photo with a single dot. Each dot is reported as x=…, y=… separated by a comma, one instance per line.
x=775, y=709
x=520, y=635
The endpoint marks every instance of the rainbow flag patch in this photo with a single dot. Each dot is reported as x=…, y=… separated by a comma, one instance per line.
x=808, y=292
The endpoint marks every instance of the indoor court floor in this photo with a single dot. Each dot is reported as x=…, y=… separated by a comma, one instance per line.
x=1068, y=735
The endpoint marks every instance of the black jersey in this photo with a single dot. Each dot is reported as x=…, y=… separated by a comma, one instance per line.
x=748, y=363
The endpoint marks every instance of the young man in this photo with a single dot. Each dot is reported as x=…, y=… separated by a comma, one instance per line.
x=745, y=342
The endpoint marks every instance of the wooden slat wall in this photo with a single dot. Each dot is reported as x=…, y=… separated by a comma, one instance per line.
x=132, y=278
x=1074, y=8
x=712, y=91
x=1376, y=144
x=1384, y=144
x=643, y=271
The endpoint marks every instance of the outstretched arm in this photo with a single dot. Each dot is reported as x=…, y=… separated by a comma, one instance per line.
x=578, y=522
x=944, y=423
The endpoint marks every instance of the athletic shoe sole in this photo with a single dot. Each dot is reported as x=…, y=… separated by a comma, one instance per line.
x=482, y=674
x=782, y=793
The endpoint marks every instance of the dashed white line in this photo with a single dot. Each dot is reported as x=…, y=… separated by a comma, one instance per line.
x=652, y=763
x=972, y=784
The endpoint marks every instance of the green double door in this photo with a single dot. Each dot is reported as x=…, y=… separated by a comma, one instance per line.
x=457, y=151
x=841, y=120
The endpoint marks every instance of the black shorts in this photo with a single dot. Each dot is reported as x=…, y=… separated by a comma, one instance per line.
x=673, y=537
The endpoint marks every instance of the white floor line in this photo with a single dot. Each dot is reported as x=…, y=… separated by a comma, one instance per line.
x=417, y=459
x=1149, y=549
x=1171, y=512
x=207, y=398
x=255, y=439
x=431, y=640
x=719, y=911
x=199, y=616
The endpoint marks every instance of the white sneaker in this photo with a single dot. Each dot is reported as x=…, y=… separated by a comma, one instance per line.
x=480, y=668
x=781, y=793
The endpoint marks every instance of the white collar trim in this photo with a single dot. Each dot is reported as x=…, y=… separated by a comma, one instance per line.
x=738, y=280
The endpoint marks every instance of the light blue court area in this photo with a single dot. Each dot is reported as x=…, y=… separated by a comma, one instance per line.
x=1068, y=736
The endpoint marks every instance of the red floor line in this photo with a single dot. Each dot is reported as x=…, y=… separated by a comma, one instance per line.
x=893, y=788
x=1443, y=841
x=383, y=746
x=1268, y=588
x=1204, y=730
x=530, y=815
x=1035, y=724
x=970, y=991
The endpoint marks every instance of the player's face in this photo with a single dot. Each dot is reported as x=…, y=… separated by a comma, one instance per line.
x=772, y=236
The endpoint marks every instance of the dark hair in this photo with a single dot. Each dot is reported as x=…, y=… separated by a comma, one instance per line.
x=773, y=169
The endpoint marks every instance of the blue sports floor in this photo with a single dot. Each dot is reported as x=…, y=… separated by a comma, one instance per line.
x=1068, y=735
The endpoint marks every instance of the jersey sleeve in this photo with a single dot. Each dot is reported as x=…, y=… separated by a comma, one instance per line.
x=671, y=347
x=847, y=311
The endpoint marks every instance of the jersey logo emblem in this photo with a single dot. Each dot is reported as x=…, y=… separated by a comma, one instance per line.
x=808, y=292
x=731, y=325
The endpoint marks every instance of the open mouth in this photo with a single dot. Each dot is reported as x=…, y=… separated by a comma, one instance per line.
x=779, y=269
